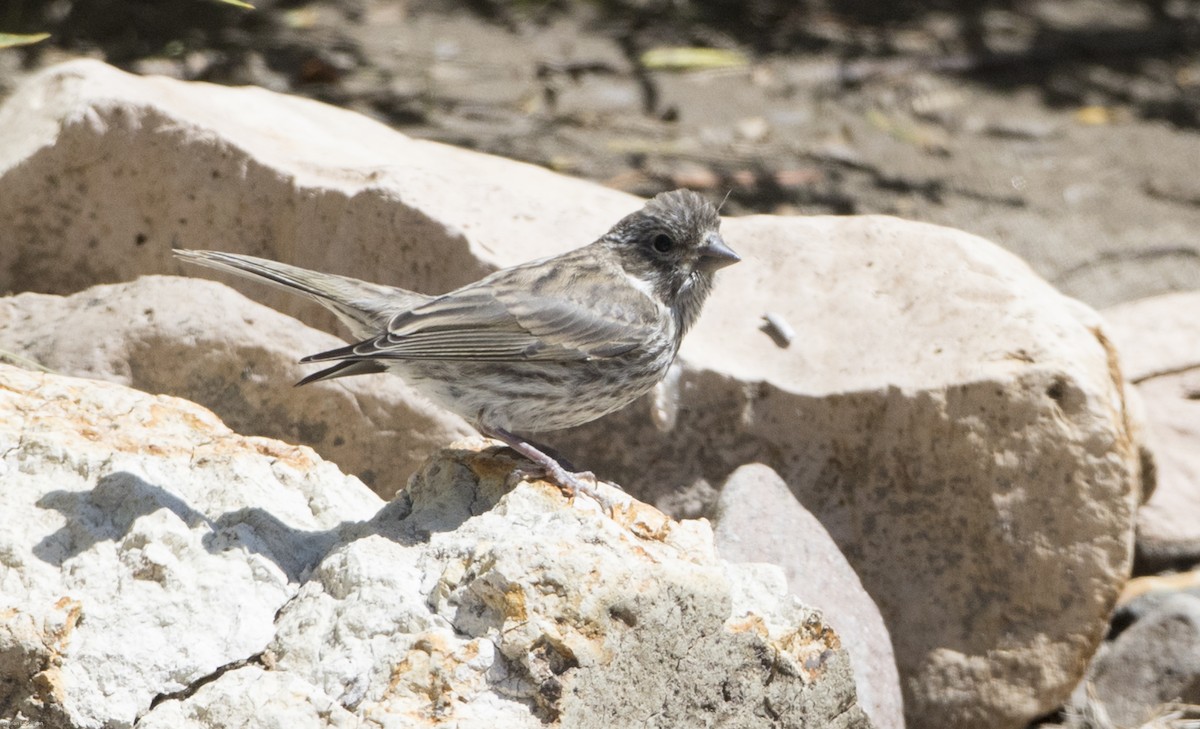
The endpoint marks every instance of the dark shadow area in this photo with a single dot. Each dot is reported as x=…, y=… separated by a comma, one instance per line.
x=108, y=511
x=1005, y=43
x=125, y=30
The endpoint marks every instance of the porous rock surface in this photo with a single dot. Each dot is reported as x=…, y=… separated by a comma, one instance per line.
x=145, y=546
x=959, y=427
x=161, y=571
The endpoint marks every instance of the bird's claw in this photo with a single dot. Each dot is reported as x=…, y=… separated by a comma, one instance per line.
x=547, y=467
x=571, y=483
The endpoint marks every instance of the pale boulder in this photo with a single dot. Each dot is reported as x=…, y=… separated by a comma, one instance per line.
x=1159, y=340
x=145, y=545
x=162, y=571
x=527, y=612
x=1149, y=668
x=206, y=342
x=102, y=173
x=1157, y=336
x=250, y=696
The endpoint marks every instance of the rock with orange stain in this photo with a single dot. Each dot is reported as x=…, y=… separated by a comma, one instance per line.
x=162, y=570
x=472, y=603
x=145, y=545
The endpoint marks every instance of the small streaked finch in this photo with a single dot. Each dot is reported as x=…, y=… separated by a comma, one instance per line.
x=544, y=345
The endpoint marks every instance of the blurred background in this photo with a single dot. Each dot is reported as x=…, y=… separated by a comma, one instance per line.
x=1065, y=130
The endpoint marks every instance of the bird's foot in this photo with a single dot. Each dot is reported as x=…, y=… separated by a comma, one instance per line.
x=572, y=483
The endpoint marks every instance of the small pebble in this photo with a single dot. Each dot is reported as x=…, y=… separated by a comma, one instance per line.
x=778, y=329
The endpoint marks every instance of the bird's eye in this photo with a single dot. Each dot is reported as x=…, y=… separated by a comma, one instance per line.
x=663, y=243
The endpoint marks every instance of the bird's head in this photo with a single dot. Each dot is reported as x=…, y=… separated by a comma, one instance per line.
x=673, y=246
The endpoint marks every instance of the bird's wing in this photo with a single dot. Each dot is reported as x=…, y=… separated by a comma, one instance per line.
x=517, y=314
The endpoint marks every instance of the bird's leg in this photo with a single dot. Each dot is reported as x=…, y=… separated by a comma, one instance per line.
x=572, y=482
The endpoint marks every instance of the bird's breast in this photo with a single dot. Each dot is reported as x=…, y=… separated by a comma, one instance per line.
x=534, y=396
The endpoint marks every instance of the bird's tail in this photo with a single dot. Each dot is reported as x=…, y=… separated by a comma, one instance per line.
x=364, y=307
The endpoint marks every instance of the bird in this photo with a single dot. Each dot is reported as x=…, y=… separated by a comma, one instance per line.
x=541, y=346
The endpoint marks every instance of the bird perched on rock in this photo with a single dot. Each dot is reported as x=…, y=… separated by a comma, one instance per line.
x=541, y=346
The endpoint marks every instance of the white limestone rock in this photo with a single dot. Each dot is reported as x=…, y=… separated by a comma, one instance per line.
x=1157, y=336
x=251, y=696
x=145, y=546
x=103, y=173
x=476, y=607
x=161, y=571
x=1149, y=668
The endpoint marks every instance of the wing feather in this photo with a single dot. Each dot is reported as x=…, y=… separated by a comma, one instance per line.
x=519, y=314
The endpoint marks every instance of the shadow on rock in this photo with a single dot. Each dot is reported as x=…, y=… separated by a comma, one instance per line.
x=108, y=511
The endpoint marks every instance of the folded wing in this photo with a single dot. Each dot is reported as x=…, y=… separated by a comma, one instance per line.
x=515, y=316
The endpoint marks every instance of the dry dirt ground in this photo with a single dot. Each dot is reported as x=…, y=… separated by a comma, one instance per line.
x=1066, y=130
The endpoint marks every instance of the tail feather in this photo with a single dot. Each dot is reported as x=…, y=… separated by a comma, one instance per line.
x=364, y=307
x=344, y=368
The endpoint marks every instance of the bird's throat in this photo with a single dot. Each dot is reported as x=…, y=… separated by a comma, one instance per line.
x=690, y=299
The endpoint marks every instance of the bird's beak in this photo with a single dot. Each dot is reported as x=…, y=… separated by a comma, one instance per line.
x=715, y=254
